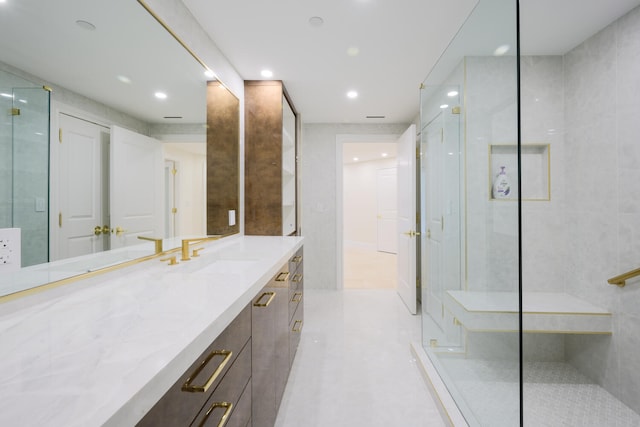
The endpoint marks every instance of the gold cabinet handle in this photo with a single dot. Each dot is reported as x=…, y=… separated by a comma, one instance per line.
x=228, y=407
x=271, y=296
x=297, y=297
x=188, y=387
x=297, y=278
x=297, y=328
x=283, y=276
x=297, y=259
x=120, y=230
x=97, y=230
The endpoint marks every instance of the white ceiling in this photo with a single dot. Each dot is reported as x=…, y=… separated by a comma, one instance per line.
x=398, y=41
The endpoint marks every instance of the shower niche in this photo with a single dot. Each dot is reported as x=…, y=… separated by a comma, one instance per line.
x=535, y=170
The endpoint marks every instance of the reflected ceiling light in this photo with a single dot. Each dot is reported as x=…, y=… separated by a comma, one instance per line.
x=316, y=21
x=352, y=94
x=266, y=73
x=355, y=159
x=85, y=25
x=384, y=154
x=161, y=95
x=6, y=95
x=353, y=51
x=443, y=106
x=452, y=93
x=210, y=74
x=124, y=79
x=501, y=50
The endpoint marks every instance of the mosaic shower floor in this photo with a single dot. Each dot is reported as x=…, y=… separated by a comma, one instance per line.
x=555, y=394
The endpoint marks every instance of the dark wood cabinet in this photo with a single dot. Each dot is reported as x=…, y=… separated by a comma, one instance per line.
x=239, y=380
x=223, y=370
x=296, y=304
x=276, y=325
x=270, y=348
x=271, y=129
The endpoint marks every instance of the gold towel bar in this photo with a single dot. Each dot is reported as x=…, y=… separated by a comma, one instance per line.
x=621, y=280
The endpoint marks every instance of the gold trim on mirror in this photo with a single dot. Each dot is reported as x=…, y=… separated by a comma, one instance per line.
x=179, y=40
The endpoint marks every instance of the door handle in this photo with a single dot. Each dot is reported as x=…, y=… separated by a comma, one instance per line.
x=120, y=231
x=97, y=230
x=106, y=229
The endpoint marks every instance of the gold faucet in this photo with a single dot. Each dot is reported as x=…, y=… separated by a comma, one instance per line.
x=186, y=242
x=158, y=243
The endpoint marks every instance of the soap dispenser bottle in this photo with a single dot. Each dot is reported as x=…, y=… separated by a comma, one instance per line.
x=501, y=185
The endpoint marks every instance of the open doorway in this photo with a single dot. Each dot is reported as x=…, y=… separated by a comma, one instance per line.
x=369, y=200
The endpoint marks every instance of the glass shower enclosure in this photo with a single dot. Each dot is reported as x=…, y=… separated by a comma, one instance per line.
x=24, y=165
x=529, y=210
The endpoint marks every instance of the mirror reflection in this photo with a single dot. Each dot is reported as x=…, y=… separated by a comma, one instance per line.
x=104, y=139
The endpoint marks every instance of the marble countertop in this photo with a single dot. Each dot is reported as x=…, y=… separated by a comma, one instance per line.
x=103, y=350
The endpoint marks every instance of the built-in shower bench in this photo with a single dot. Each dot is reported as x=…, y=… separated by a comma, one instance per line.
x=543, y=312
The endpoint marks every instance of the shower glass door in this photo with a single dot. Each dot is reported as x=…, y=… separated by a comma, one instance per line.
x=470, y=261
x=24, y=168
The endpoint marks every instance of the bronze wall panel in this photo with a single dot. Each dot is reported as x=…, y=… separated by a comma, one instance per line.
x=223, y=148
x=263, y=157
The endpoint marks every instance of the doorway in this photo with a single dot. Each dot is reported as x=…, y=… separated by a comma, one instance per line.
x=369, y=201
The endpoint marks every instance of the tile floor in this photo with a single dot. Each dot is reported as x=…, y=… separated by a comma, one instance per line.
x=354, y=367
x=368, y=269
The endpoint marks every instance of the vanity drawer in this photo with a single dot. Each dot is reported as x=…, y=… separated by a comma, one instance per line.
x=295, y=261
x=226, y=401
x=182, y=402
x=295, y=293
x=295, y=331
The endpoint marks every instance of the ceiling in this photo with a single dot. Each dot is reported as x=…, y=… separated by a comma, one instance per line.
x=397, y=44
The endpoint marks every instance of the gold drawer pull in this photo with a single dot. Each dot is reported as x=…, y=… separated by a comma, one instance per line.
x=187, y=386
x=297, y=297
x=225, y=417
x=297, y=278
x=295, y=326
x=297, y=259
x=282, y=277
x=262, y=304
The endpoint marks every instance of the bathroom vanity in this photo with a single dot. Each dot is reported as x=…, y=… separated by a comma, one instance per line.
x=154, y=341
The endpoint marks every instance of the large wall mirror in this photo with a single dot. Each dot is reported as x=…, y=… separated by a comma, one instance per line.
x=104, y=136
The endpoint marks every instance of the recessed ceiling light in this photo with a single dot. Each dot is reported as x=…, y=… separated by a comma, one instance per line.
x=316, y=21
x=452, y=93
x=210, y=74
x=124, y=79
x=266, y=73
x=352, y=94
x=353, y=51
x=384, y=154
x=355, y=159
x=161, y=95
x=85, y=25
x=443, y=106
x=501, y=50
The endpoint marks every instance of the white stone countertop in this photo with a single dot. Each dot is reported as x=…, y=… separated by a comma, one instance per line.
x=103, y=350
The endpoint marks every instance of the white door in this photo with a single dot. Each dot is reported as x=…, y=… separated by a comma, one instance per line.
x=432, y=144
x=82, y=152
x=407, y=218
x=136, y=189
x=387, y=201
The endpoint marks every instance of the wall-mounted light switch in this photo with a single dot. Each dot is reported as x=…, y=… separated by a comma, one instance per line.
x=41, y=205
x=232, y=217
